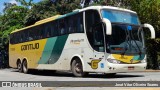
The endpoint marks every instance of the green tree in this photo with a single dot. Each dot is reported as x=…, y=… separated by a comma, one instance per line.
x=40, y=11
x=48, y=8
x=12, y=19
x=149, y=11
x=26, y=4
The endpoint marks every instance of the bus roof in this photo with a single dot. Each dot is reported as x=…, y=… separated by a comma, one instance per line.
x=38, y=23
x=74, y=12
x=46, y=20
x=106, y=7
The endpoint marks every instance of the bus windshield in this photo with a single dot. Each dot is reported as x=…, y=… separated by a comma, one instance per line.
x=126, y=39
x=120, y=16
x=127, y=35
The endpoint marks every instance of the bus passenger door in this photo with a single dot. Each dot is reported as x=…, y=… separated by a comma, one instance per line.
x=98, y=45
x=94, y=32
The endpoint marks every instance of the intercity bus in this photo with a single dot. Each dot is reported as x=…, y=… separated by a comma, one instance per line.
x=97, y=39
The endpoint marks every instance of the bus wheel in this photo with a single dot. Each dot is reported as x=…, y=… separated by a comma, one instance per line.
x=77, y=68
x=24, y=66
x=19, y=66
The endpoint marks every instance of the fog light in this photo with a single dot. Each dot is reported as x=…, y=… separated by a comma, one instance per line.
x=114, y=61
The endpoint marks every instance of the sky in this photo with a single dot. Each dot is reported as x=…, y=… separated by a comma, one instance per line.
x=11, y=1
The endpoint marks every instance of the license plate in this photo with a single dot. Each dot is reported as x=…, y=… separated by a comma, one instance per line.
x=131, y=68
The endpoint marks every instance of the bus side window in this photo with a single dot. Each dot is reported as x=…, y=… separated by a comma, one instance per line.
x=56, y=28
x=98, y=38
x=66, y=25
x=18, y=37
x=42, y=31
x=47, y=30
x=30, y=35
x=80, y=23
x=14, y=38
x=11, y=39
x=39, y=31
x=26, y=35
x=62, y=27
x=91, y=19
x=36, y=33
x=22, y=36
x=70, y=25
x=75, y=23
x=52, y=29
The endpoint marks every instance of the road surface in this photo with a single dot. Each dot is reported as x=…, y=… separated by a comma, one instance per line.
x=14, y=75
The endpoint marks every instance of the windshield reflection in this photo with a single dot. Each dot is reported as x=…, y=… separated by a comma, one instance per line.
x=126, y=39
x=120, y=16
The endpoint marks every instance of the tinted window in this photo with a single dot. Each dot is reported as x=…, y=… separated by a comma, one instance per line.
x=47, y=28
x=75, y=23
x=92, y=18
x=62, y=27
x=120, y=16
x=55, y=28
x=67, y=25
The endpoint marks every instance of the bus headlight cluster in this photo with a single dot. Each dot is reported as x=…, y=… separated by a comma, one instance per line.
x=114, y=61
x=143, y=61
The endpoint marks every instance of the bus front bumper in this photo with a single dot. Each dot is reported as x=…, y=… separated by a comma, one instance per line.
x=116, y=68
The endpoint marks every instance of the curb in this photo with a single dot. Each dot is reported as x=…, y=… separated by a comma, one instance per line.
x=150, y=70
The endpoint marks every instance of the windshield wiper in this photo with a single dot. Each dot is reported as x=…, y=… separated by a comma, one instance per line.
x=129, y=44
x=136, y=42
x=128, y=38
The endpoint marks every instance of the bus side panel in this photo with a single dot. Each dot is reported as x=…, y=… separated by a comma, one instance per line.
x=13, y=57
x=54, y=59
x=64, y=49
x=30, y=51
x=77, y=44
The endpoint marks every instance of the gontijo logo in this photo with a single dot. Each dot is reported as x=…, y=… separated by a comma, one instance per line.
x=30, y=47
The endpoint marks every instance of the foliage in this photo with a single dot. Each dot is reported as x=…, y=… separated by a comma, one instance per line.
x=47, y=8
x=40, y=11
x=12, y=19
x=149, y=11
x=25, y=3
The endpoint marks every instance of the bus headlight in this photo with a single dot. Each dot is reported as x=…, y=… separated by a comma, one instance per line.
x=143, y=61
x=114, y=61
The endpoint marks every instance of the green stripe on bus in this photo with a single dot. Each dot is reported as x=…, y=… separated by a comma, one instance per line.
x=68, y=14
x=58, y=48
x=47, y=50
x=53, y=50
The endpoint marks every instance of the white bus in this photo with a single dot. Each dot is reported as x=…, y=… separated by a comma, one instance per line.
x=100, y=39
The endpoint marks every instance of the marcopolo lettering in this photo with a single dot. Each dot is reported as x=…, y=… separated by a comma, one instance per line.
x=30, y=47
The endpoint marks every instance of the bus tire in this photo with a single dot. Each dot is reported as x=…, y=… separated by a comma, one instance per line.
x=77, y=68
x=25, y=67
x=19, y=66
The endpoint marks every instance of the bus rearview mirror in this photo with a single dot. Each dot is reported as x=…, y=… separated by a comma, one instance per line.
x=108, y=26
x=151, y=28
